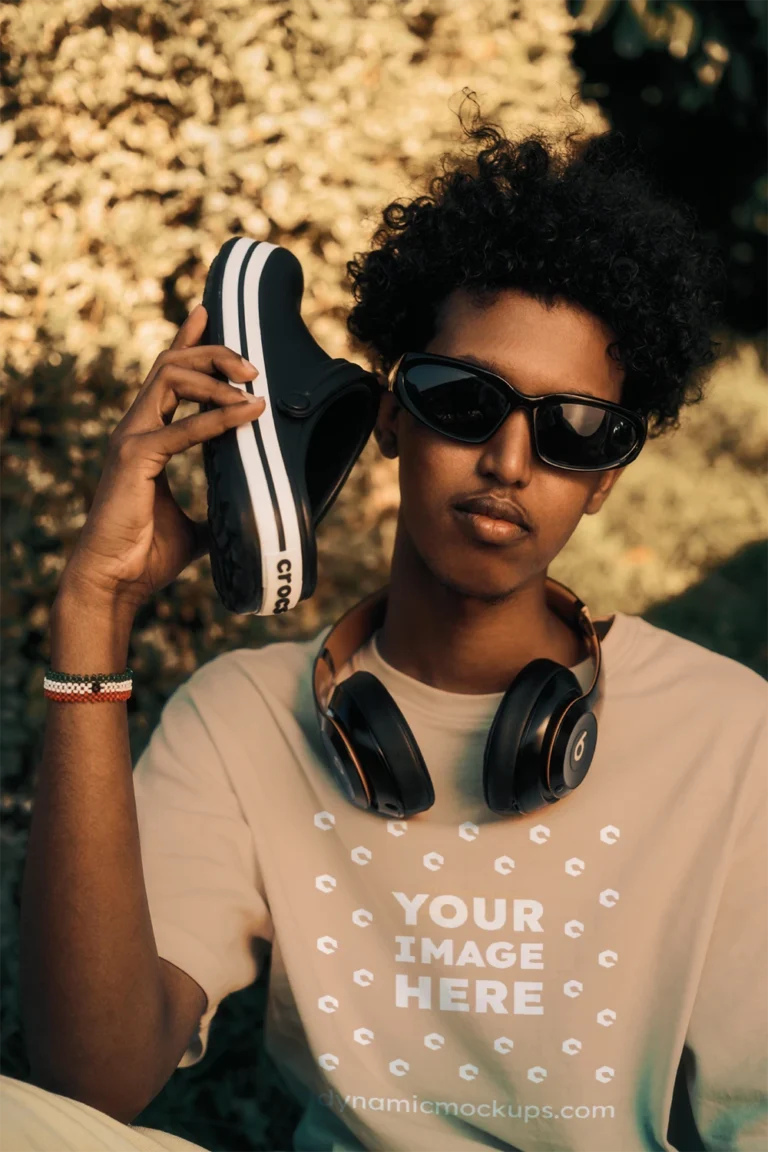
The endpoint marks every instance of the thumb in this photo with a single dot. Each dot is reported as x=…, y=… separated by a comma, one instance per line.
x=185, y=539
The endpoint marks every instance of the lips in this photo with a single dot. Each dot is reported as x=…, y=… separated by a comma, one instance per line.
x=495, y=509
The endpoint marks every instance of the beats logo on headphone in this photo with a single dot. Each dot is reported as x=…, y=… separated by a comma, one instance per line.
x=539, y=746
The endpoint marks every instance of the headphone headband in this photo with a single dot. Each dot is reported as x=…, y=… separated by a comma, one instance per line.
x=360, y=621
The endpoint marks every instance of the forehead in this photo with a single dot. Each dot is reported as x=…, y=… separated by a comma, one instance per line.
x=537, y=348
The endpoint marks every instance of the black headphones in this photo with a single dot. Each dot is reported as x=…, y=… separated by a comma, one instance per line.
x=539, y=747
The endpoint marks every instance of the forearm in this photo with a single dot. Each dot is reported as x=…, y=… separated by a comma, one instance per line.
x=92, y=992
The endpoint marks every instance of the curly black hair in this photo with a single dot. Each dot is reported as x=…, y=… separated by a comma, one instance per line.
x=583, y=222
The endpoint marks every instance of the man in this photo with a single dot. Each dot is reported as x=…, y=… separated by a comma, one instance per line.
x=588, y=975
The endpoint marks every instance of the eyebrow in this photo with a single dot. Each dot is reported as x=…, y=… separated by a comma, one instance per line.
x=492, y=366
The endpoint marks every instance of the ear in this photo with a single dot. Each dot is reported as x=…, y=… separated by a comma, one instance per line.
x=604, y=487
x=385, y=429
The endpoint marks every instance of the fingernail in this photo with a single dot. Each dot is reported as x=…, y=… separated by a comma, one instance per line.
x=248, y=364
x=250, y=396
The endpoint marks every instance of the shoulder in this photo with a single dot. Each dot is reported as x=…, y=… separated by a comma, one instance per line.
x=681, y=667
x=280, y=670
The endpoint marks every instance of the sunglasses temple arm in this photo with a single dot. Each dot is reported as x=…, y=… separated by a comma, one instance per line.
x=392, y=375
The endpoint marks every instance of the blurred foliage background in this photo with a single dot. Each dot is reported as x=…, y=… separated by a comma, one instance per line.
x=136, y=137
x=688, y=83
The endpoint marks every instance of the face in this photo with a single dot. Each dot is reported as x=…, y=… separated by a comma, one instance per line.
x=539, y=351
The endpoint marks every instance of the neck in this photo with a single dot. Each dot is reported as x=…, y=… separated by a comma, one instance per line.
x=458, y=643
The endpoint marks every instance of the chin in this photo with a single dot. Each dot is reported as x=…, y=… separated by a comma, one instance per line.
x=474, y=587
x=453, y=563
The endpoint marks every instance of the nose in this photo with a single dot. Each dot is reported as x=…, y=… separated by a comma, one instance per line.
x=509, y=453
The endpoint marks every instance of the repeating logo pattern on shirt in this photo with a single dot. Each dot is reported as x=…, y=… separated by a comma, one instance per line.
x=449, y=912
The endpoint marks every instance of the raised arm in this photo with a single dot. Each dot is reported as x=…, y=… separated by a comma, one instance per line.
x=106, y=1020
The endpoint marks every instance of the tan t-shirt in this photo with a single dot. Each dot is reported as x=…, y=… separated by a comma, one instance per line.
x=462, y=979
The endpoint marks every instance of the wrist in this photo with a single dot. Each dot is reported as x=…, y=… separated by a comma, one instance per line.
x=77, y=595
x=89, y=634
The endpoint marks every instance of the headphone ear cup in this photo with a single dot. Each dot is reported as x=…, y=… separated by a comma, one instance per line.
x=400, y=767
x=515, y=751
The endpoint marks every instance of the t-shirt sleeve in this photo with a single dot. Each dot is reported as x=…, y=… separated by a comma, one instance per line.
x=204, y=888
x=728, y=1029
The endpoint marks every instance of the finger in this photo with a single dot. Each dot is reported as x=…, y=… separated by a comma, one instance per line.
x=188, y=335
x=212, y=358
x=182, y=434
x=192, y=329
x=215, y=359
x=157, y=403
x=207, y=360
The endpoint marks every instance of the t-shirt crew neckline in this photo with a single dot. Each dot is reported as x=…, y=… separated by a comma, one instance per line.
x=460, y=710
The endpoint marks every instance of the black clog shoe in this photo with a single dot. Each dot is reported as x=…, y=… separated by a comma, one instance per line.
x=271, y=481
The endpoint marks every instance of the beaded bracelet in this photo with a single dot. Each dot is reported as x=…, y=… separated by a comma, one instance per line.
x=70, y=688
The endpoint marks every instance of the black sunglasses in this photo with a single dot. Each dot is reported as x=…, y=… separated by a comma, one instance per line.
x=469, y=404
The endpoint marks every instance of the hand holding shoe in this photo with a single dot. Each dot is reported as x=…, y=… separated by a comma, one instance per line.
x=137, y=539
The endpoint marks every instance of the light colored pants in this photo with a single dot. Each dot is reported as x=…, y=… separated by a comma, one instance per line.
x=35, y=1120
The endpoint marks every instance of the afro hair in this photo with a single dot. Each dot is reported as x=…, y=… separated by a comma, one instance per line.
x=582, y=223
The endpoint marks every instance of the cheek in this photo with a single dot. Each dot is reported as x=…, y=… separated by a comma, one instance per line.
x=559, y=506
x=432, y=474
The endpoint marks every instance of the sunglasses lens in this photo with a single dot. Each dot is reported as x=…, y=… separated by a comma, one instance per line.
x=584, y=435
x=454, y=401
